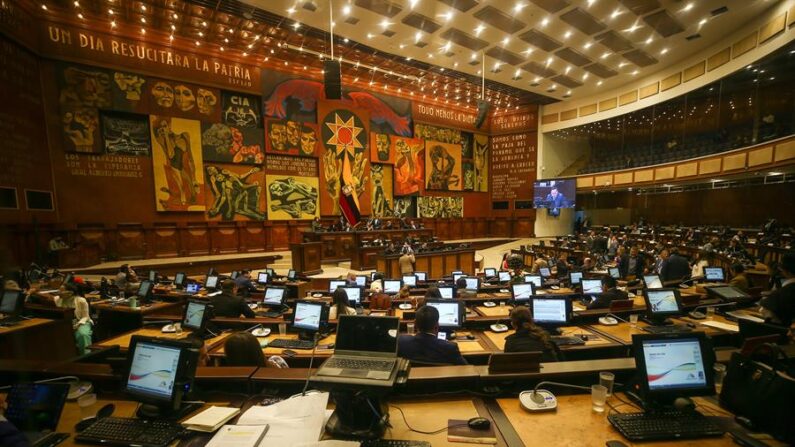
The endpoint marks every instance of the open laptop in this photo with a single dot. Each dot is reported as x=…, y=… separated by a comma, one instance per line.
x=35, y=408
x=366, y=348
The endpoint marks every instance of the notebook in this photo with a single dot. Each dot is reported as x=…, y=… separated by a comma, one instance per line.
x=211, y=419
x=366, y=348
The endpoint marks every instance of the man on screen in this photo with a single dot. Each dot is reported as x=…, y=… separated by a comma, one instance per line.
x=555, y=199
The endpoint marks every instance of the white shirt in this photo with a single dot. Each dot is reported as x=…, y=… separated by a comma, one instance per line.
x=80, y=305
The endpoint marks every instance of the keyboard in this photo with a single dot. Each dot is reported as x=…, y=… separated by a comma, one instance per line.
x=286, y=343
x=394, y=443
x=664, y=426
x=367, y=364
x=563, y=340
x=672, y=329
x=272, y=314
x=11, y=320
x=129, y=431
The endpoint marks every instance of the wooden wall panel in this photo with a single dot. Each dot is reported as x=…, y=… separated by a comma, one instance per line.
x=164, y=241
x=649, y=90
x=694, y=71
x=130, y=242
x=744, y=45
x=686, y=170
x=196, y=240
x=500, y=228
x=224, y=238
x=482, y=227
x=671, y=81
x=719, y=58
x=622, y=178
x=280, y=237
x=549, y=119
x=785, y=151
x=456, y=230
x=664, y=173
x=588, y=110
x=253, y=237
x=709, y=166
x=628, y=98
x=772, y=28
x=568, y=114
x=760, y=156
x=645, y=175
x=584, y=182
x=523, y=228
x=608, y=104
x=733, y=162
x=601, y=180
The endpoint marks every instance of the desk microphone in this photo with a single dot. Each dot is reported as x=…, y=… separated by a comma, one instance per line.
x=543, y=400
x=696, y=315
x=625, y=321
x=689, y=282
x=315, y=340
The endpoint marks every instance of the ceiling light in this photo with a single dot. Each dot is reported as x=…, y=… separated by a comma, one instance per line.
x=702, y=22
x=143, y=19
x=587, y=45
x=447, y=16
x=599, y=83
x=369, y=35
x=346, y=9
x=688, y=7
x=79, y=15
x=621, y=65
x=143, y=31
x=385, y=23
x=585, y=76
x=649, y=40
x=110, y=11
x=568, y=69
x=567, y=35
x=505, y=41
x=175, y=16
x=605, y=55
x=545, y=22
x=474, y=56
x=615, y=14
x=296, y=25
x=143, y=7
x=664, y=50
x=113, y=24
x=171, y=37
x=519, y=7
x=591, y=2
x=775, y=173
x=290, y=10
x=635, y=72
x=417, y=37
x=204, y=24
x=549, y=60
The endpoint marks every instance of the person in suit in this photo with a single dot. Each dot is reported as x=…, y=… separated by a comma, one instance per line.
x=610, y=293
x=739, y=280
x=675, y=268
x=228, y=304
x=631, y=264
x=424, y=346
x=562, y=266
x=462, y=291
x=529, y=337
x=779, y=306
x=555, y=199
x=406, y=261
x=244, y=284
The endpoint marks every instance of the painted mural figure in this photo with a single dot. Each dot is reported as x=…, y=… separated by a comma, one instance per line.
x=381, y=205
x=206, y=101
x=442, y=166
x=481, y=160
x=180, y=165
x=294, y=198
x=308, y=140
x=130, y=84
x=407, y=173
x=233, y=195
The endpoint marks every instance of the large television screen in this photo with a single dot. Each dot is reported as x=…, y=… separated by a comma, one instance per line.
x=554, y=194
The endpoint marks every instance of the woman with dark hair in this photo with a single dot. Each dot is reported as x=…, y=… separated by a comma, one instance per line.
x=529, y=337
x=243, y=349
x=339, y=304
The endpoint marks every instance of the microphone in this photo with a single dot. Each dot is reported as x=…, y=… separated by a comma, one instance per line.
x=543, y=400
x=694, y=314
x=625, y=321
x=315, y=340
x=689, y=282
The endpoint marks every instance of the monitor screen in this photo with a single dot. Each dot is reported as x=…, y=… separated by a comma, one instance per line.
x=274, y=296
x=575, y=277
x=473, y=283
x=145, y=288
x=614, y=272
x=410, y=280
x=262, y=278
x=392, y=286
x=674, y=364
x=211, y=282
x=367, y=334
x=447, y=292
x=194, y=314
x=179, y=279
x=35, y=407
x=553, y=194
x=361, y=280
x=354, y=294
x=152, y=275
x=192, y=287
x=153, y=370
x=270, y=272
x=372, y=275
x=714, y=274
x=662, y=301
x=505, y=276
x=591, y=286
x=728, y=293
x=234, y=274
x=456, y=276
x=652, y=281
x=421, y=276
x=334, y=283
x=308, y=315
x=291, y=274
x=490, y=272
x=450, y=314
x=550, y=310
x=522, y=292
x=9, y=303
x=535, y=279
x=544, y=271
x=456, y=272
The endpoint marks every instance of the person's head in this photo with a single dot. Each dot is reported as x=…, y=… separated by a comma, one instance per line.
x=608, y=282
x=243, y=349
x=521, y=317
x=378, y=276
x=245, y=273
x=737, y=268
x=229, y=286
x=633, y=251
x=124, y=268
x=563, y=257
x=461, y=283
x=427, y=319
x=351, y=277
x=404, y=292
x=664, y=253
x=554, y=191
x=433, y=293
x=787, y=265
x=340, y=298
x=587, y=262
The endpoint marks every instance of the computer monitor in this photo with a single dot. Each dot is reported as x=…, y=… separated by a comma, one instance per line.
x=270, y=272
x=262, y=278
x=291, y=274
x=211, y=272
x=504, y=276
x=661, y=304
x=392, y=286
x=372, y=275
x=196, y=315
x=334, y=283
x=12, y=302
x=447, y=292
x=410, y=280
x=728, y=293
x=614, y=272
x=535, y=279
x=714, y=274
x=152, y=275
x=211, y=282
x=179, y=279
x=489, y=272
x=575, y=277
x=674, y=365
x=544, y=271
x=361, y=280
x=652, y=282
x=456, y=272
x=310, y=316
x=473, y=282
x=68, y=278
x=456, y=276
x=551, y=311
x=145, y=289
x=421, y=276
x=522, y=292
x=160, y=374
x=192, y=288
x=234, y=274
x=451, y=314
x=354, y=295
x=274, y=296
x=591, y=286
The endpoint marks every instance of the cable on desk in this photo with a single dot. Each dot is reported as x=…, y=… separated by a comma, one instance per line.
x=403, y=415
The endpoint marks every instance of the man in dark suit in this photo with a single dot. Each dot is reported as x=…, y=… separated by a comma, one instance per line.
x=632, y=264
x=779, y=306
x=555, y=199
x=424, y=346
x=228, y=304
x=244, y=284
x=674, y=268
x=609, y=294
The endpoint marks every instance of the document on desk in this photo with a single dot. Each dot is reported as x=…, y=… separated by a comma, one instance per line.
x=295, y=421
x=238, y=436
x=746, y=316
x=728, y=327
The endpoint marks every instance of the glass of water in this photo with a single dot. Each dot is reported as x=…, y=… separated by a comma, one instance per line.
x=598, y=398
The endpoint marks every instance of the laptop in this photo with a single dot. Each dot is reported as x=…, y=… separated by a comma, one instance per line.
x=366, y=348
x=35, y=408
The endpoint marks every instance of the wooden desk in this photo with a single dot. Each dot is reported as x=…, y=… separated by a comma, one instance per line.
x=38, y=339
x=623, y=332
x=595, y=340
x=437, y=264
x=431, y=415
x=124, y=340
x=357, y=247
x=114, y=319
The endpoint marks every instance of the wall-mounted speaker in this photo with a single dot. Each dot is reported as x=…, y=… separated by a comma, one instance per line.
x=483, y=111
x=332, y=79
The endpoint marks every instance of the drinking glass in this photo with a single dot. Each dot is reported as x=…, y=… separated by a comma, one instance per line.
x=598, y=398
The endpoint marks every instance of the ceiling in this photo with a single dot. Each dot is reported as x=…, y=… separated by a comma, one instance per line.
x=554, y=49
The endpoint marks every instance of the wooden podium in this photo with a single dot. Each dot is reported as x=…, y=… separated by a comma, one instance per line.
x=306, y=257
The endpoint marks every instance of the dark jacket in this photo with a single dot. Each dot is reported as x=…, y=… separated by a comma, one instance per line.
x=231, y=306
x=604, y=299
x=674, y=268
x=244, y=286
x=429, y=349
x=563, y=269
x=525, y=341
x=623, y=266
x=782, y=303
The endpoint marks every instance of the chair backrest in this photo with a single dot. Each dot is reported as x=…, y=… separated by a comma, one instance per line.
x=380, y=301
x=617, y=305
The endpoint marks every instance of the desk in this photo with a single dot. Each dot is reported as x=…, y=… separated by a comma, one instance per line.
x=114, y=319
x=436, y=264
x=350, y=245
x=124, y=340
x=38, y=339
x=594, y=339
x=623, y=332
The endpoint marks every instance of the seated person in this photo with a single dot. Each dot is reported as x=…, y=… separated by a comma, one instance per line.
x=350, y=280
x=529, y=336
x=244, y=284
x=126, y=279
x=228, y=304
x=538, y=265
x=81, y=324
x=404, y=293
x=562, y=266
x=462, y=291
x=377, y=285
x=610, y=293
x=424, y=346
x=779, y=306
x=380, y=301
x=243, y=349
x=587, y=265
x=340, y=305
x=675, y=268
x=739, y=280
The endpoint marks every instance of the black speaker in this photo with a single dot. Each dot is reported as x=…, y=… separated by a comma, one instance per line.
x=332, y=79
x=483, y=110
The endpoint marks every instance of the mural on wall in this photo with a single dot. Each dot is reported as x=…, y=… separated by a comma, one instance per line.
x=82, y=91
x=441, y=207
x=381, y=187
x=481, y=162
x=292, y=197
x=240, y=110
x=406, y=206
x=128, y=92
x=234, y=192
x=224, y=143
x=468, y=172
x=409, y=165
x=467, y=141
x=177, y=164
x=440, y=134
x=443, y=166
x=381, y=150
x=291, y=137
x=81, y=131
x=345, y=160
x=125, y=133
x=183, y=100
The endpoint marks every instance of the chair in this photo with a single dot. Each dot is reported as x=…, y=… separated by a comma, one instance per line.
x=619, y=305
x=381, y=301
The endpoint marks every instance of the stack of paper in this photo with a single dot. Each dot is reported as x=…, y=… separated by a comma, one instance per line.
x=238, y=436
x=211, y=419
x=295, y=421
